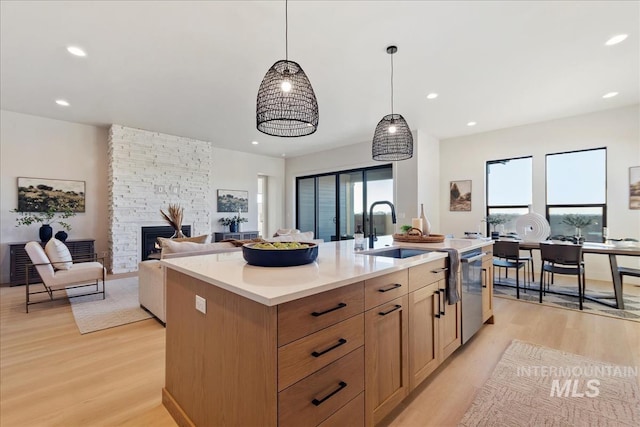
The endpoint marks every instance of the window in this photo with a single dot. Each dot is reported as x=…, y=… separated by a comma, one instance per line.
x=577, y=185
x=335, y=204
x=262, y=204
x=509, y=190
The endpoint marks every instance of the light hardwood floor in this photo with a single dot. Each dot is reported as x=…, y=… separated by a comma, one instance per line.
x=50, y=375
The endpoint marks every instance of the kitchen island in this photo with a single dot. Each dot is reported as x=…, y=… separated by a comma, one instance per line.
x=340, y=341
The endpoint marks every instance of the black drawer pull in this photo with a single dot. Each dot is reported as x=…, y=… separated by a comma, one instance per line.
x=338, y=307
x=440, y=270
x=318, y=402
x=438, y=310
x=392, y=287
x=443, y=307
x=340, y=342
x=384, y=313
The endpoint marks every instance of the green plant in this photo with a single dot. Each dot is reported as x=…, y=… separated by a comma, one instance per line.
x=49, y=216
x=226, y=221
x=496, y=219
x=575, y=220
x=405, y=228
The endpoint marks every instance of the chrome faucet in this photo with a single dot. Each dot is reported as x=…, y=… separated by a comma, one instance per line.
x=393, y=218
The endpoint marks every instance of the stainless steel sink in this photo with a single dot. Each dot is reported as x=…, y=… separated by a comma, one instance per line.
x=397, y=252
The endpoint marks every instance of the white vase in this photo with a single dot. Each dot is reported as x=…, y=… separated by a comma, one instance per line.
x=426, y=225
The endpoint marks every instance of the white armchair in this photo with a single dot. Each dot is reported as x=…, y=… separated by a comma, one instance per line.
x=74, y=275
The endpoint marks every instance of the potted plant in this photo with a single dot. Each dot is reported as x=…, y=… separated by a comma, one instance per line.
x=578, y=222
x=46, y=218
x=495, y=220
x=233, y=222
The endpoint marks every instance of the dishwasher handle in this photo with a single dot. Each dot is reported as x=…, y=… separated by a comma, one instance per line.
x=474, y=258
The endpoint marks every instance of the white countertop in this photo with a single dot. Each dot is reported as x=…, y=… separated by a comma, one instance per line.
x=337, y=265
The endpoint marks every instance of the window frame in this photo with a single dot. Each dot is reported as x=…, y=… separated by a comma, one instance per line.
x=603, y=206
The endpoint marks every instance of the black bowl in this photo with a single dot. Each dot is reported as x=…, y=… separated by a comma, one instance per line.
x=279, y=257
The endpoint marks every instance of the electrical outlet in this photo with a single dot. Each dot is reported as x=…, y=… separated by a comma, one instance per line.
x=201, y=304
x=401, y=215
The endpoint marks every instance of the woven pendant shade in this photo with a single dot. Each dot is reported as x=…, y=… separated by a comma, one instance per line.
x=287, y=113
x=392, y=139
x=396, y=145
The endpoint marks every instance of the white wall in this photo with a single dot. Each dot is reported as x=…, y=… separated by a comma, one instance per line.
x=36, y=147
x=618, y=129
x=233, y=170
x=32, y=146
x=416, y=179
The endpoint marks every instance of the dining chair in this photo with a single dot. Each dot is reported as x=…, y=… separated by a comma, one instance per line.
x=507, y=255
x=626, y=271
x=562, y=259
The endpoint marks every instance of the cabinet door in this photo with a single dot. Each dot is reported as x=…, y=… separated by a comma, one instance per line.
x=450, y=322
x=424, y=314
x=487, y=291
x=386, y=360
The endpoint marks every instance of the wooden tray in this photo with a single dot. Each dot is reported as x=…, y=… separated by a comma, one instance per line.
x=414, y=235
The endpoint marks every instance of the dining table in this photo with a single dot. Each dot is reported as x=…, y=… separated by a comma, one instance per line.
x=611, y=250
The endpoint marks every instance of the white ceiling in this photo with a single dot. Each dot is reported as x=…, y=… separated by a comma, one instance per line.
x=192, y=68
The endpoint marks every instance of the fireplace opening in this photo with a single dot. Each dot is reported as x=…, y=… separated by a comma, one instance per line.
x=150, y=235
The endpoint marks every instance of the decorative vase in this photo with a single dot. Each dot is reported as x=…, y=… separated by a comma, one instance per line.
x=62, y=236
x=45, y=233
x=233, y=227
x=426, y=225
x=178, y=234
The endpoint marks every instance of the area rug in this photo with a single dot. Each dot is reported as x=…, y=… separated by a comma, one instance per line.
x=538, y=386
x=120, y=306
x=631, y=303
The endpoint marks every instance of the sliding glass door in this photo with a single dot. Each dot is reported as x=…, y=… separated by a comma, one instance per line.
x=334, y=205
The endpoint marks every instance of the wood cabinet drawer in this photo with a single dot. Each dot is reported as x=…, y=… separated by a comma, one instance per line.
x=305, y=316
x=315, y=398
x=425, y=274
x=350, y=415
x=380, y=290
x=302, y=357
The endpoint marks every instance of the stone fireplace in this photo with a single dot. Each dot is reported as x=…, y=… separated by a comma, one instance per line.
x=147, y=172
x=150, y=236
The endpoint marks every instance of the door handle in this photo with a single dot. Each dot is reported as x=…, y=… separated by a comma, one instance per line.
x=484, y=284
x=341, y=385
x=438, y=310
x=396, y=307
x=444, y=303
x=338, y=307
x=341, y=341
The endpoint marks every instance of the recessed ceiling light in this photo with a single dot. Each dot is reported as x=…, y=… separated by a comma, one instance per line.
x=284, y=155
x=616, y=39
x=62, y=102
x=432, y=96
x=75, y=50
x=255, y=142
x=471, y=124
x=609, y=95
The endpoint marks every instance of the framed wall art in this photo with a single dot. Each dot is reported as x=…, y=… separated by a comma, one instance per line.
x=44, y=194
x=460, y=196
x=233, y=201
x=634, y=187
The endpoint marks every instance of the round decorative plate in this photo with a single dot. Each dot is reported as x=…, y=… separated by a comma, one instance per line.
x=533, y=227
x=266, y=257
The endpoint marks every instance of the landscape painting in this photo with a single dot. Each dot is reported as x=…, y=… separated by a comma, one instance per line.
x=233, y=201
x=460, y=196
x=57, y=195
x=634, y=187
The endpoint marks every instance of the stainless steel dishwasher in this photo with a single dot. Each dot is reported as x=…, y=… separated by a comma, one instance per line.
x=471, y=271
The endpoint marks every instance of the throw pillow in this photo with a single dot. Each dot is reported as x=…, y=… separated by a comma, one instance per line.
x=58, y=254
x=171, y=247
x=196, y=239
x=306, y=236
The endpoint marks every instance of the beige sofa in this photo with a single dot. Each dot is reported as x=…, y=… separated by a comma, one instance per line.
x=152, y=289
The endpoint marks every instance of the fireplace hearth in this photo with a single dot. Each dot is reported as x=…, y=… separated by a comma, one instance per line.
x=150, y=234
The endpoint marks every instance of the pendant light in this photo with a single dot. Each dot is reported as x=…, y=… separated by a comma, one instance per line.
x=392, y=139
x=286, y=104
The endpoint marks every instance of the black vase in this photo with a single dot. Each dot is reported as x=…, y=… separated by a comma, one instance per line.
x=62, y=236
x=45, y=233
x=233, y=227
